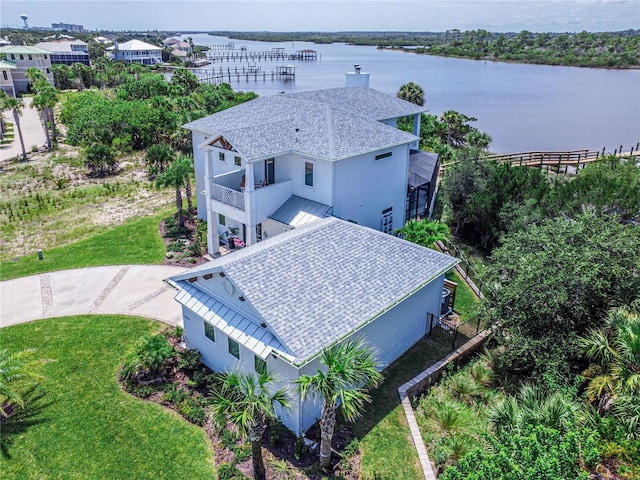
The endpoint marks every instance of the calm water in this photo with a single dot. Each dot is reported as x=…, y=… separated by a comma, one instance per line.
x=522, y=107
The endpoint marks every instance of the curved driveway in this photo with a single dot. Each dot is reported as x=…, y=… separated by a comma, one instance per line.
x=121, y=289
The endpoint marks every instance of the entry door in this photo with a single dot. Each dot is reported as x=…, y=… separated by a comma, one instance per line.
x=270, y=170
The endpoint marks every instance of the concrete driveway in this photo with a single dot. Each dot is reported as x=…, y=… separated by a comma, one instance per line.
x=32, y=131
x=123, y=289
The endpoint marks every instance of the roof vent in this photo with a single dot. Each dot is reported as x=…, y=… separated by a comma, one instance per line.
x=357, y=68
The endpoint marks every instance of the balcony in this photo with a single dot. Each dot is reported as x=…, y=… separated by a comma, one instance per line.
x=227, y=195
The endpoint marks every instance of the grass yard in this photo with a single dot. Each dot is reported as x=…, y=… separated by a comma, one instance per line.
x=137, y=241
x=387, y=448
x=81, y=425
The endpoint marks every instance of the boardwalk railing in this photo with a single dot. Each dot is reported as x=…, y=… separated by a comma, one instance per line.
x=558, y=160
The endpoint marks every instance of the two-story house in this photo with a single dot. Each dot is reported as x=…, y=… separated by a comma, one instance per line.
x=279, y=162
x=67, y=51
x=23, y=57
x=136, y=51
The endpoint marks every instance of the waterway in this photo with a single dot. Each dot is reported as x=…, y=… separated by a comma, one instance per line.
x=523, y=107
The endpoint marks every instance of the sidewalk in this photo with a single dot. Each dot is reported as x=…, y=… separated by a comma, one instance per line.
x=121, y=289
x=32, y=131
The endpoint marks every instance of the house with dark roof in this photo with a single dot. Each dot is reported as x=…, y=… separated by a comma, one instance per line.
x=331, y=152
x=278, y=303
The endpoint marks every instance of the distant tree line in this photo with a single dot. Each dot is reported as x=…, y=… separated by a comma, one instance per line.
x=603, y=49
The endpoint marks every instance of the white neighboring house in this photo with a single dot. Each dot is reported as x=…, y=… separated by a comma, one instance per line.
x=278, y=303
x=337, y=149
x=67, y=51
x=136, y=51
x=24, y=57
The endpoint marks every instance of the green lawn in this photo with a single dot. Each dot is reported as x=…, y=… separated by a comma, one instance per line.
x=83, y=425
x=386, y=440
x=137, y=241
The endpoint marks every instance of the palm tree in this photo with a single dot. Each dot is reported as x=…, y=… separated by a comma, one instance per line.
x=39, y=103
x=14, y=368
x=411, y=92
x=350, y=368
x=16, y=106
x=246, y=400
x=3, y=107
x=176, y=176
x=531, y=407
x=616, y=351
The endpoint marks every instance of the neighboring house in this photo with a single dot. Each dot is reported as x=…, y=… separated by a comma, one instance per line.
x=6, y=77
x=184, y=46
x=278, y=303
x=67, y=52
x=182, y=55
x=24, y=57
x=136, y=51
x=338, y=148
x=170, y=42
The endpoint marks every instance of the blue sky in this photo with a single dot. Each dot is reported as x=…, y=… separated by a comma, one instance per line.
x=329, y=15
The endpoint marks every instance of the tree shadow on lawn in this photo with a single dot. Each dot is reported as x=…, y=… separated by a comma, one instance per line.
x=21, y=419
x=385, y=398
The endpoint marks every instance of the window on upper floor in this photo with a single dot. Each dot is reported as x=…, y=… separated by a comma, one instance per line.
x=234, y=348
x=221, y=156
x=238, y=161
x=13, y=56
x=210, y=331
x=259, y=364
x=30, y=57
x=308, y=174
x=4, y=75
x=21, y=56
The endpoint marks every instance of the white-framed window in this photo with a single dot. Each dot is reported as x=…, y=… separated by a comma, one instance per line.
x=308, y=174
x=221, y=156
x=210, y=331
x=234, y=348
x=386, y=220
x=222, y=220
x=237, y=160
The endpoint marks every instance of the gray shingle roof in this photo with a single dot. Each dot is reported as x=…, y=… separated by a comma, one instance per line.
x=316, y=284
x=310, y=123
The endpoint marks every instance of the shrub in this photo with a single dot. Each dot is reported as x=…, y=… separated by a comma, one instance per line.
x=189, y=359
x=173, y=394
x=151, y=356
x=100, y=160
x=276, y=433
x=193, y=410
x=229, y=472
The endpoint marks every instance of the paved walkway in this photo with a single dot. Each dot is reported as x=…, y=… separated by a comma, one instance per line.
x=122, y=289
x=32, y=131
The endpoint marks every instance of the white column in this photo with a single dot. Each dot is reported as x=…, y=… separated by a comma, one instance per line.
x=213, y=242
x=416, y=128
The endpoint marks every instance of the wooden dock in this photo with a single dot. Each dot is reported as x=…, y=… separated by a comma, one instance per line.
x=245, y=73
x=243, y=55
x=560, y=161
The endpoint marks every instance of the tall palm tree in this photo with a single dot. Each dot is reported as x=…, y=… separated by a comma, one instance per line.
x=188, y=160
x=350, y=367
x=176, y=176
x=247, y=400
x=38, y=102
x=16, y=106
x=15, y=368
x=411, y=92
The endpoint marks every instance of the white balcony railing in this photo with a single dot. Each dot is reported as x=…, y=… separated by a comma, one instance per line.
x=227, y=195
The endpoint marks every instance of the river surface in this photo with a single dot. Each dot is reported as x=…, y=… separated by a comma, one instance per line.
x=523, y=107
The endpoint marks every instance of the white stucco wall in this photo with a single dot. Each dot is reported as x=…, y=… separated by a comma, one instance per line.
x=391, y=334
x=364, y=187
